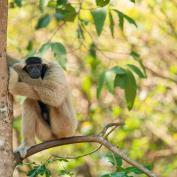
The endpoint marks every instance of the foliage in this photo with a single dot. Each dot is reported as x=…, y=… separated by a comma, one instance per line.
x=65, y=11
x=42, y=169
x=121, y=171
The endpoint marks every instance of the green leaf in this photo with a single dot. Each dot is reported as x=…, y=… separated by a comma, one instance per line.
x=130, y=89
x=39, y=170
x=122, y=16
x=36, y=171
x=18, y=3
x=136, y=57
x=132, y=1
x=115, y=174
x=43, y=21
x=109, y=81
x=65, y=172
x=134, y=170
x=101, y=81
x=118, y=174
x=30, y=46
x=121, y=21
x=114, y=159
x=80, y=33
x=111, y=23
x=102, y=3
x=118, y=70
x=120, y=81
x=52, y=4
x=59, y=53
x=43, y=4
x=58, y=48
x=99, y=16
x=130, y=20
x=66, y=13
x=136, y=70
x=47, y=173
x=92, y=50
x=127, y=82
x=62, y=2
x=44, y=48
x=106, y=175
x=120, y=77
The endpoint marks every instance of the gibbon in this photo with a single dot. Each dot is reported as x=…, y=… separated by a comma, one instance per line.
x=47, y=112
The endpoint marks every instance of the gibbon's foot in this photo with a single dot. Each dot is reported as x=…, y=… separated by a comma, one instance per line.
x=22, y=149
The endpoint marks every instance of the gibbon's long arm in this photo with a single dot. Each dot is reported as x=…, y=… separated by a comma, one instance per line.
x=20, y=88
x=52, y=89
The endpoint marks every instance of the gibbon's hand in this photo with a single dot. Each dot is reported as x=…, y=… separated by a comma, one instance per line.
x=13, y=77
x=22, y=74
x=24, y=77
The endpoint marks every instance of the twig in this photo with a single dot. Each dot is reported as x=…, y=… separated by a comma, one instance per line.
x=160, y=75
x=81, y=139
x=102, y=133
x=164, y=153
x=77, y=157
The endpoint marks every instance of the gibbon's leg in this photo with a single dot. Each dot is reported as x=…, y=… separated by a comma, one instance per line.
x=61, y=126
x=28, y=126
x=32, y=125
x=43, y=131
x=29, y=117
x=63, y=121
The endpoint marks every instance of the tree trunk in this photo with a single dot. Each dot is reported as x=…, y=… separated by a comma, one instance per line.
x=6, y=155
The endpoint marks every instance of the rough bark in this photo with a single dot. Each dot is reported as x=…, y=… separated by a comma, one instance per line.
x=6, y=156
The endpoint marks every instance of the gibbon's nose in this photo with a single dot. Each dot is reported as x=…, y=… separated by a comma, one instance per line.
x=35, y=74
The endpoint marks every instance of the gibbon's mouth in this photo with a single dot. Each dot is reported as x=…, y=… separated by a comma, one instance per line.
x=35, y=77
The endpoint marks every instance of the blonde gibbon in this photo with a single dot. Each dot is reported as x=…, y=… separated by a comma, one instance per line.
x=47, y=112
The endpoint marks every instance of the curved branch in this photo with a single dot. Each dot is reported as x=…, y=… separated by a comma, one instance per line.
x=82, y=139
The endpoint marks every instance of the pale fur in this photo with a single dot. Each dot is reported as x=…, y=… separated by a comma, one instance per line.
x=53, y=90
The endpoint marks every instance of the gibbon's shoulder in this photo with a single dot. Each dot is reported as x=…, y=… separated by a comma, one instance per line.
x=54, y=71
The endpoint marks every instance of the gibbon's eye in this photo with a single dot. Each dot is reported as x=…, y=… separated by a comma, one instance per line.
x=39, y=66
x=29, y=67
x=34, y=66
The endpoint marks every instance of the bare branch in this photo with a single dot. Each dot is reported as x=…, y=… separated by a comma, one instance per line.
x=155, y=73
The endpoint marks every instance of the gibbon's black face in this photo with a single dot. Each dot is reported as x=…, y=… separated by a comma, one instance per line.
x=34, y=67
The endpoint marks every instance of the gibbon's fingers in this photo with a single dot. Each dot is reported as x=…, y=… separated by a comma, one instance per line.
x=13, y=75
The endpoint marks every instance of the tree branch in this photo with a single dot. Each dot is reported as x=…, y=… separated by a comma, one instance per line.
x=83, y=139
x=157, y=74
